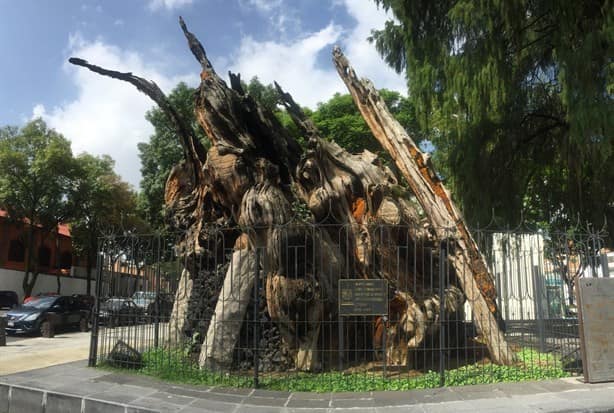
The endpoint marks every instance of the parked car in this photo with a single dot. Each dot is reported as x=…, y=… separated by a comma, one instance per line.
x=47, y=314
x=119, y=311
x=86, y=302
x=146, y=301
x=143, y=299
x=8, y=299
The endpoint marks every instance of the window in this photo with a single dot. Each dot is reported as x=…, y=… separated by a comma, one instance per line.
x=44, y=256
x=16, y=251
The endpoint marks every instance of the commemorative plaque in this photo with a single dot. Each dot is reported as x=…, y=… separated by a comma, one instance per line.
x=363, y=297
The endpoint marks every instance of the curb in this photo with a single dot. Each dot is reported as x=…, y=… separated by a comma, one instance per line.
x=23, y=399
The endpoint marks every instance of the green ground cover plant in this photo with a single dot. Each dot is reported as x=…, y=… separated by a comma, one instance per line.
x=173, y=366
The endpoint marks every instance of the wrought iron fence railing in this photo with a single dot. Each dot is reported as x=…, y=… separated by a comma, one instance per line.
x=271, y=316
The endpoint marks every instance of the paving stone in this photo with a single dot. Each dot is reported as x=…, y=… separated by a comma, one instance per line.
x=226, y=398
x=62, y=403
x=131, y=409
x=210, y=405
x=25, y=400
x=171, y=398
x=337, y=404
x=308, y=403
x=395, y=398
x=157, y=404
x=417, y=408
x=99, y=406
x=116, y=395
x=271, y=394
x=230, y=390
x=260, y=409
x=4, y=397
x=310, y=396
x=351, y=395
x=265, y=401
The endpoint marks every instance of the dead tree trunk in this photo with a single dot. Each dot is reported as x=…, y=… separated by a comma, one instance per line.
x=251, y=177
x=471, y=268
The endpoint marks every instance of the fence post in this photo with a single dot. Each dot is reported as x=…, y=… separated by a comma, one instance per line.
x=541, y=331
x=95, y=316
x=443, y=255
x=256, y=319
x=158, y=300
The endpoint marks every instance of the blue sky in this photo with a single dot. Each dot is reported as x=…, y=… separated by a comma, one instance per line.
x=284, y=40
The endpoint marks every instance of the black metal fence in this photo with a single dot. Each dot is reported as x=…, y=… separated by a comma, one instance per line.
x=270, y=315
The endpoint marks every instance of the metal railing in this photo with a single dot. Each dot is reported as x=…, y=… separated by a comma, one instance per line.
x=271, y=314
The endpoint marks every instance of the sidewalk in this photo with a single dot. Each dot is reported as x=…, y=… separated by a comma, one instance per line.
x=73, y=387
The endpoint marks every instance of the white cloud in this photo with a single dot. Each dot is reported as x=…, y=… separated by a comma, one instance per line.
x=168, y=4
x=294, y=64
x=107, y=116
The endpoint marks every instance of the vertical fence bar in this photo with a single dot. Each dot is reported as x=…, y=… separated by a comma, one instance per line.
x=94, y=336
x=442, y=312
x=158, y=299
x=256, y=319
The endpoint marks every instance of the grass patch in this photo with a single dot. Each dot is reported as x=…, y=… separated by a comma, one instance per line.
x=173, y=366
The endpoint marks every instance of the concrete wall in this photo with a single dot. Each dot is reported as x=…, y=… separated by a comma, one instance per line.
x=11, y=280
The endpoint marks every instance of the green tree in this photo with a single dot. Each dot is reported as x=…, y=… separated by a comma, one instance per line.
x=162, y=152
x=100, y=201
x=517, y=97
x=36, y=173
x=338, y=119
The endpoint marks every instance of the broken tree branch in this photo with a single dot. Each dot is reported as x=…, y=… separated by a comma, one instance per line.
x=470, y=265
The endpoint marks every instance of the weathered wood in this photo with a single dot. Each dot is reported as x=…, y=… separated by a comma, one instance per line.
x=470, y=265
x=225, y=326
x=251, y=177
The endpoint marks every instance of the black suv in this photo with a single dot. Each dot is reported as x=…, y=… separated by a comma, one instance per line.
x=47, y=314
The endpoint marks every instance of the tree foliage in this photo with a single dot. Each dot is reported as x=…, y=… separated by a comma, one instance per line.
x=100, y=202
x=162, y=152
x=36, y=173
x=339, y=120
x=517, y=97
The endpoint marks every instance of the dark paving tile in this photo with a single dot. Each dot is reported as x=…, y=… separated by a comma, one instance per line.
x=25, y=401
x=99, y=406
x=308, y=403
x=210, y=405
x=310, y=396
x=271, y=394
x=350, y=403
x=396, y=398
x=265, y=401
x=90, y=387
x=405, y=409
x=61, y=403
x=230, y=390
x=558, y=385
x=187, y=392
x=4, y=397
x=115, y=396
x=471, y=394
x=131, y=409
x=259, y=409
x=171, y=398
x=351, y=395
x=226, y=398
x=156, y=404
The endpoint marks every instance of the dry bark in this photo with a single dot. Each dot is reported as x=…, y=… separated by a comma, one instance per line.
x=251, y=176
x=471, y=268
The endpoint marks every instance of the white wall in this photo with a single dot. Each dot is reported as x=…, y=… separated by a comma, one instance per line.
x=12, y=280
